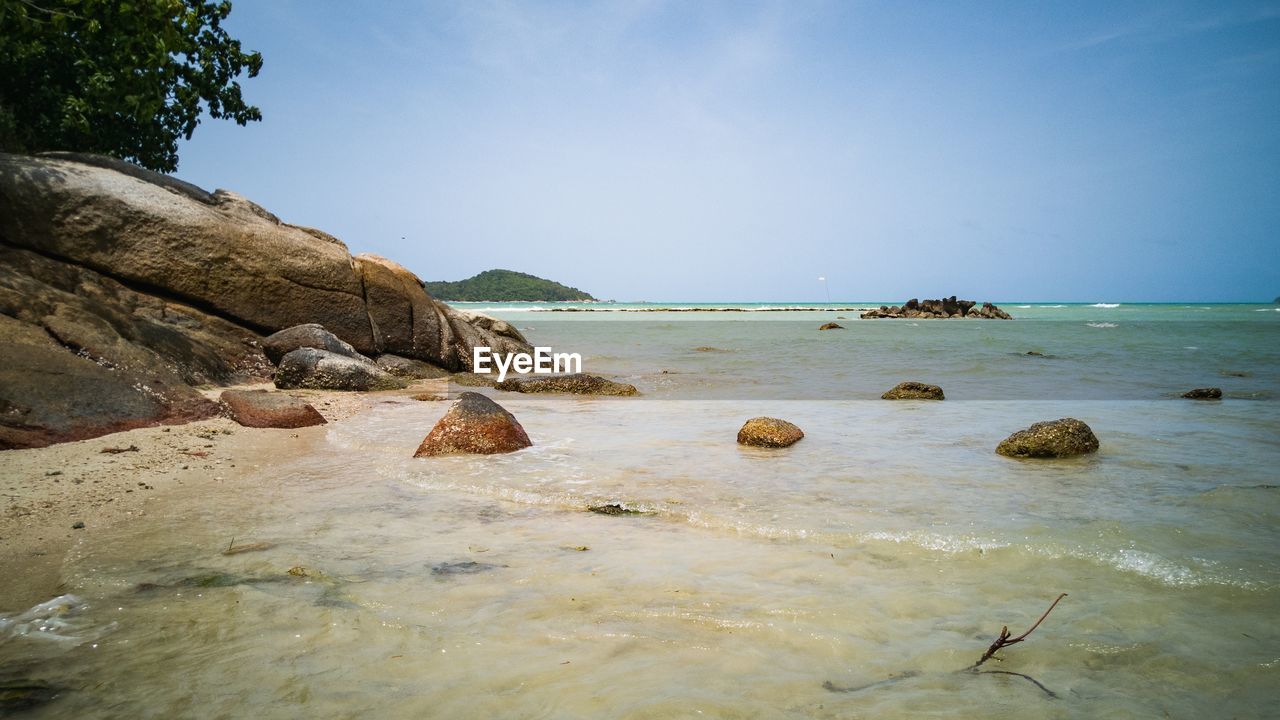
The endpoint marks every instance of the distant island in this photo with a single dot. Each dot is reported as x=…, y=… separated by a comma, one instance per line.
x=504, y=286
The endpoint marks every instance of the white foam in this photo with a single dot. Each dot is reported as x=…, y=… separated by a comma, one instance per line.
x=1052, y=306
x=1101, y=325
x=1105, y=305
x=933, y=541
x=55, y=620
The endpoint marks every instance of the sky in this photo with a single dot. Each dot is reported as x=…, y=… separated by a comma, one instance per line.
x=738, y=151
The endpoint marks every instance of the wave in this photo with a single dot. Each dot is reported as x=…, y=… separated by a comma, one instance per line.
x=1101, y=325
x=1105, y=305
x=1195, y=572
x=1023, y=307
x=61, y=620
x=1052, y=306
x=572, y=492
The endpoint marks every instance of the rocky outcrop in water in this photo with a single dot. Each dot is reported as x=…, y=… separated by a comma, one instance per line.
x=1051, y=439
x=1211, y=393
x=769, y=432
x=574, y=384
x=262, y=409
x=944, y=308
x=832, y=326
x=911, y=390
x=474, y=425
x=122, y=289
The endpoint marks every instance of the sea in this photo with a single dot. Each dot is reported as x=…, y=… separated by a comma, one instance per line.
x=860, y=573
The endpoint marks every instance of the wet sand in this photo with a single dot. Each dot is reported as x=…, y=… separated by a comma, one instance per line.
x=55, y=497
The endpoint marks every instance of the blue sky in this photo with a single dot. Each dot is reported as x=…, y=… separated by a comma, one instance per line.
x=737, y=151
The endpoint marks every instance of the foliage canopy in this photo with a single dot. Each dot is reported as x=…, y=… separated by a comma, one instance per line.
x=126, y=78
x=504, y=286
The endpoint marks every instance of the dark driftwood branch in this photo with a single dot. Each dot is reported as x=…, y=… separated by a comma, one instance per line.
x=1004, y=640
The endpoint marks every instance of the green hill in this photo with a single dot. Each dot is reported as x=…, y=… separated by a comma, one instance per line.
x=504, y=286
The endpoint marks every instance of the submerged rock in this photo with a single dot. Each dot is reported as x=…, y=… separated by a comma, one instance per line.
x=1212, y=393
x=322, y=370
x=309, y=335
x=465, y=567
x=912, y=390
x=769, y=432
x=575, y=384
x=613, y=509
x=262, y=409
x=17, y=696
x=476, y=425
x=1051, y=439
x=832, y=326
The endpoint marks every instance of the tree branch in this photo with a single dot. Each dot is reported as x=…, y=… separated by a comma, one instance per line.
x=1004, y=640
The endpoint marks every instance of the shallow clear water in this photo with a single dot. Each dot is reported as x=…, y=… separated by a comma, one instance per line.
x=890, y=542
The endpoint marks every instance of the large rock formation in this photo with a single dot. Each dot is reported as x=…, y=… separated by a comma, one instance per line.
x=409, y=368
x=315, y=369
x=310, y=335
x=149, y=286
x=944, y=308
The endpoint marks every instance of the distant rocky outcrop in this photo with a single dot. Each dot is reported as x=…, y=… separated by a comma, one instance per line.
x=1051, y=439
x=769, y=432
x=505, y=286
x=474, y=425
x=574, y=384
x=832, y=326
x=1210, y=393
x=122, y=289
x=944, y=308
x=911, y=390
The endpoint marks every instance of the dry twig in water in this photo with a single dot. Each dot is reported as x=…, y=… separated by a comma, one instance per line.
x=1005, y=641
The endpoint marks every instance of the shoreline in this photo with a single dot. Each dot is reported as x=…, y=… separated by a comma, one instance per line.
x=124, y=476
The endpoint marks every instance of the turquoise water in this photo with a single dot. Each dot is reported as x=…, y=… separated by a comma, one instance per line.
x=890, y=544
x=1139, y=352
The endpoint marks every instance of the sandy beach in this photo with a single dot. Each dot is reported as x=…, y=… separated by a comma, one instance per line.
x=58, y=496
